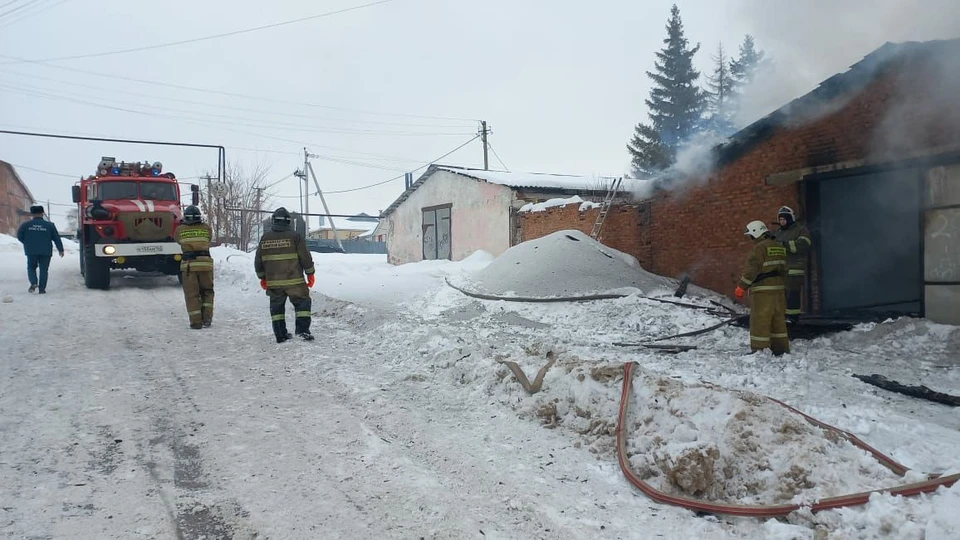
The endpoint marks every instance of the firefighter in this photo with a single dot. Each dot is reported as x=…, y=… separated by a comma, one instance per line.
x=196, y=268
x=281, y=261
x=796, y=239
x=764, y=275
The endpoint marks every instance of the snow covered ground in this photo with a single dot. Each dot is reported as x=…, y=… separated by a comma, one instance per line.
x=400, y=421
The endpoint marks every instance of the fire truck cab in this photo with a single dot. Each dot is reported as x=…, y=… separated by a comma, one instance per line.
x=127, y=216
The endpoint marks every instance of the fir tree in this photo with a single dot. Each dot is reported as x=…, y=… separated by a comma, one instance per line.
x=744, y=69
x=676, y=103
x=721, y=106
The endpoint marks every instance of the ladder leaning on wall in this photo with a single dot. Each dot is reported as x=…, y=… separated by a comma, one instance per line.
x=605, y=207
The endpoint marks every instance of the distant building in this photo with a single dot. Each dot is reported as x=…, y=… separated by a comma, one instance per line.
x=15, y=199
x=360, y=226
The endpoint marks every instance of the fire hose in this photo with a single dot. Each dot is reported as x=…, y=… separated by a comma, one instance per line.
x=933, y=482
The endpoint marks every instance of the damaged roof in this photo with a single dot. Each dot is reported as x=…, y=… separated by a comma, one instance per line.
x=853, y=80
x=557, y=183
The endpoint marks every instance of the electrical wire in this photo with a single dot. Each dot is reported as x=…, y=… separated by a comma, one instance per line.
x=475, y=137
x=490, y=146
x=229, y=94
x=18, y=8
x=33, y=91
x=209, y=37
x=100, y=89
x=11, y=22
x=74, y=176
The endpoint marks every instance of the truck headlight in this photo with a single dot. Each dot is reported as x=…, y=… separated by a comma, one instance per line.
x=109, y=250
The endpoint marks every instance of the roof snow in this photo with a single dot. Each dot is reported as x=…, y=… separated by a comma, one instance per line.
x=348, y=224
x=551, y=203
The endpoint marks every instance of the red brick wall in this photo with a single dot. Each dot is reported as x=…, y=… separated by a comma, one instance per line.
x=621, y=228
x=12, y=198
x=699, y=229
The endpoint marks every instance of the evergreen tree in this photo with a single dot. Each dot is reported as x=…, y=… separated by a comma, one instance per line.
x=676, y=103
x=721, y=106
x=744, y=69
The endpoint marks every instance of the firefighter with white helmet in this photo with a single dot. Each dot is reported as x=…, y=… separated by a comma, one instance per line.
x=765, y=276
x=793, y=236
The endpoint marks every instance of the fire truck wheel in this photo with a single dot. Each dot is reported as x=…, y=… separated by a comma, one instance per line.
x=96, y=273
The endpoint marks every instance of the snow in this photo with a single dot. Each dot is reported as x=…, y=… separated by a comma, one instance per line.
x=400, y=421
x=542, y=180
x=564, y=264
x=552, y=203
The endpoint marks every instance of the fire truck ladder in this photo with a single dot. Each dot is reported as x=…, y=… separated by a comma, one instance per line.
x=605, y=207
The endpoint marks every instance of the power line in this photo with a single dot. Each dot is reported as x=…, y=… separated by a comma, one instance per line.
x=31, y=14
x=475, y=137
x=45, y=172
x=207, y=38
x=230, y=94
x=218, y=105
x=18, y=8
x=498, y=157
x=37, y=92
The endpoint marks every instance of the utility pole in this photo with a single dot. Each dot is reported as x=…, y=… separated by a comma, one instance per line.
x=302, y=175
x=306, y=192
x=333, y=224
x=210, y=208
x=483, y=138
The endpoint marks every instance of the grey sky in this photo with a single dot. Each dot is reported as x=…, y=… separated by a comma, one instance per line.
x=561, y=82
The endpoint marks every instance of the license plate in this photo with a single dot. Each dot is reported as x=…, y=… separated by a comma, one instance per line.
x=150, y=249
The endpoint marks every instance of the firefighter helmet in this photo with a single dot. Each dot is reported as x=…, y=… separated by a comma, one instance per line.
x=787, y=212
x=191, y=215
x=755, y=229
x=281, y=218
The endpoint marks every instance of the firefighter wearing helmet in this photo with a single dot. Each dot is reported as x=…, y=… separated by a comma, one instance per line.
x=796, y=239
x=196, y=267
x=282, y=260
x=765, y=275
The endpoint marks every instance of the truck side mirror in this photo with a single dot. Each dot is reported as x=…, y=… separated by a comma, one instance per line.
x=76, y=194
x=194, y=194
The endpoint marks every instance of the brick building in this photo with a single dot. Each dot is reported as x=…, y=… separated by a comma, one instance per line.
x=870, y=159
x=15, y=199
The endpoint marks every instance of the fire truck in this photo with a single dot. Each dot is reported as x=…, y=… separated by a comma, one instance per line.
x=127, y=215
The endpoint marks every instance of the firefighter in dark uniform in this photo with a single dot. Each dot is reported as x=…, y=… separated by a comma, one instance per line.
x=796, y=239
x=281, y=261
x=196, y=267
x=765, y=275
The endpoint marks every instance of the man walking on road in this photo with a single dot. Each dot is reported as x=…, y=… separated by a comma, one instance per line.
x=196, y=268
x=36, y=236
x=281, y=261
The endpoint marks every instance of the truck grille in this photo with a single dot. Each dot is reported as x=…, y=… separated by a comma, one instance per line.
x=147, y=226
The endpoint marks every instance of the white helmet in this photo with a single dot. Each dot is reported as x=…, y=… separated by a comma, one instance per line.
x=755, y=229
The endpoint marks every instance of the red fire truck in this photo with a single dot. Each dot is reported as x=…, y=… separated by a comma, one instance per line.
x=128, y=213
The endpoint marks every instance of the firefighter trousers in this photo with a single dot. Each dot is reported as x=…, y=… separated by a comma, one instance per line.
x=198, y=295
x=795, y=295
x=300, y=298
x=768, y=325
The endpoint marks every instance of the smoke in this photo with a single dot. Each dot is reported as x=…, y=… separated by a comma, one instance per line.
x=811, y=40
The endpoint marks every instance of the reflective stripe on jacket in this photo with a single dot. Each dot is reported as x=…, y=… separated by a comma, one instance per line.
x=766, y=267
x=282, y=259
x=195, y=238
x=796, y=239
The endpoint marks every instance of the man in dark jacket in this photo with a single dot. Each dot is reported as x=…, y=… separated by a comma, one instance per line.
x=36, y=236
x=281, y=261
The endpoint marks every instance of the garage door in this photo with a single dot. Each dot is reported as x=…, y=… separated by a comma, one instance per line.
x=869, y=236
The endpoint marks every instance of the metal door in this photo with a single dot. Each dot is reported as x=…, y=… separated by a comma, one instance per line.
x=429, y=230
x=443, y=233
x=941, y=245
x=870, y=243
x=436, y=232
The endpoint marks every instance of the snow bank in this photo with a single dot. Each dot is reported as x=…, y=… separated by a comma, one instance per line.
x=9, y=243
x=565, y=263
x=552, y=203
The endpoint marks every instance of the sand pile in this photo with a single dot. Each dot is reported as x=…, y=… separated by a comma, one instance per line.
x=563, y=264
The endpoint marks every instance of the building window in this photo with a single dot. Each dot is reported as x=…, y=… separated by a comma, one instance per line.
x=435, y=228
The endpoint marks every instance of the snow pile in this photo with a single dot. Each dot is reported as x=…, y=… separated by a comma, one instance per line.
x=738, y=447
x=9, y=243
x=552, y=203
x=563, y=264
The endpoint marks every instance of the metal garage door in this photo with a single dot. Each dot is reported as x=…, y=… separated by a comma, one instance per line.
x=869, y=243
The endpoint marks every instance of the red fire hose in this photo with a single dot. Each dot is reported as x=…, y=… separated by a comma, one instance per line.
x=778, y=510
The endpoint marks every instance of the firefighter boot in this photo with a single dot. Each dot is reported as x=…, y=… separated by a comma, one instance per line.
x=280, y=331
x=303, y=328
